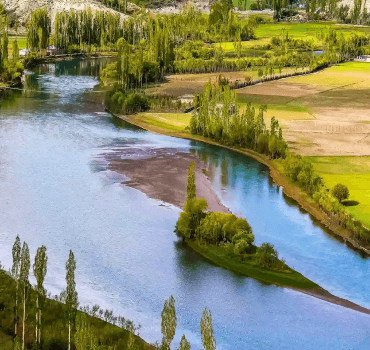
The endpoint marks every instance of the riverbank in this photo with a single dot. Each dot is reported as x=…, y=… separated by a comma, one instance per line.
x=276, y=172
x=292, y=279
x=30, y=63
x=307, y=286
x=54, y=328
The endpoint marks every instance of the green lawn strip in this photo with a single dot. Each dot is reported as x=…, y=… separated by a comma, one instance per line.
x=232, y=262
x=55, y=328
x=167, y=125
x=354, y=172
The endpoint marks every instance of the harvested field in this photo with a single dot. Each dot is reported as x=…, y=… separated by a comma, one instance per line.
x=338, y=101
x=184, y=84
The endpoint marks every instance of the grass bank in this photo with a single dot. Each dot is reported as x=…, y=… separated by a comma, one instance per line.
x=55, y=325
x=233, y=262
x=354, y=172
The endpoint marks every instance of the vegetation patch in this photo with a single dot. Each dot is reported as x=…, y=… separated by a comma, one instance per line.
x=354, y=172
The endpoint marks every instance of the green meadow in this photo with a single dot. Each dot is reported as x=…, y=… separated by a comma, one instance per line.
x=354, y=172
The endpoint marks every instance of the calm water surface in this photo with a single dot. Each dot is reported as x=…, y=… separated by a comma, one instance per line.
x=56, y=190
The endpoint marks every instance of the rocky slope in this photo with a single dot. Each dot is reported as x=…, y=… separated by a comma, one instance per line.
x=22, y=8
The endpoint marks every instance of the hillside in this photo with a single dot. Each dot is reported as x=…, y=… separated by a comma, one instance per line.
x=22, y=8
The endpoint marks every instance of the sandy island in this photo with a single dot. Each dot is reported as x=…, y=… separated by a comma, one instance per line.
x=162, y=173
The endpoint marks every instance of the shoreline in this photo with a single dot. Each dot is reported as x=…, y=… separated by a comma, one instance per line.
x=290, y=190
x=319, y=293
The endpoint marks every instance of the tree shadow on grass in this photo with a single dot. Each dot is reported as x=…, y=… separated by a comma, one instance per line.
x=349, y=203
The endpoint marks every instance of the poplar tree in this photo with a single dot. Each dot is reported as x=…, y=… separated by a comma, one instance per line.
x=206, y=330
x=15, y=51
x=190, y=188
x=24, y=274
x=16, y=252
x=71, y=294
x=169, y=322
x=39, y=270
x=184, y=344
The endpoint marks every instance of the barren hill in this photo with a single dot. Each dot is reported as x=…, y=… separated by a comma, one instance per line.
x=22, y=8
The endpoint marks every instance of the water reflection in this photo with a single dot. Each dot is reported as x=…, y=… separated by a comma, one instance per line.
x=55, y=191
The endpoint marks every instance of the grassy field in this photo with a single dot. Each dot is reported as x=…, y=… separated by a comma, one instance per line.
x=173, y=122
x=232, y=262
x=22, y=43
x=354, y=172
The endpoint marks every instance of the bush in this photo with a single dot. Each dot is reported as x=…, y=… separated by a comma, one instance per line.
x=218, y=227
x=340, y=192
x=134, y=103
x=190, y=218
x=267, y=256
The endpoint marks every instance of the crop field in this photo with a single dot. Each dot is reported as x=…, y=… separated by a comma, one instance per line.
x=305, y=31
x=354, y=172
x=338, y=101
x=183, y=84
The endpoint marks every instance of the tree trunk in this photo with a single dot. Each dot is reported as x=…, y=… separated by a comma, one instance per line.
x=16, y=311
x=39, y=342
x=24, y=315
x=37, y=322
x=69, y=335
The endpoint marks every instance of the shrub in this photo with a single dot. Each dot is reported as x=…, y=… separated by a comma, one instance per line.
x=135, y=103
x=340, y=192
x=267, y=256
x=190, y=218
x=218, y=227
x=241, y=247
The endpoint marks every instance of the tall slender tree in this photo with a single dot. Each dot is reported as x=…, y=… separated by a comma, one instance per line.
x=169, y=322
x=206, y=330
x=39, y=270
x=71, y=294
x=24, y=275
x=16, y=252
x=191, y=192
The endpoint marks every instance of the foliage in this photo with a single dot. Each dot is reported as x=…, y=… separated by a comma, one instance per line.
x=340, y=192
x=191, y=192
x=169, y=322
x=190, y=218
x=206, y=330
x=39, y=29
x=218, y=227
x=217, y=116
x=300, y=170
x=267, y=256
x=184, y=344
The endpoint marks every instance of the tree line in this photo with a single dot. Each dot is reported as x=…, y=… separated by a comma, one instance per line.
x=33, y=308
x=10, y=68
x=301, y=172
x=218, y=116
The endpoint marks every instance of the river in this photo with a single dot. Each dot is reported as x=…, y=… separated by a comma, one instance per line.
x=56, y=190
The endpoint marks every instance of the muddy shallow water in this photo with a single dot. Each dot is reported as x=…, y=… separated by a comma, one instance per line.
x=58, y=188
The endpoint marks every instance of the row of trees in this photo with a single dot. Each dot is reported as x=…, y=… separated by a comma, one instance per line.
x=86, y=335
x=10, y=68
x=301, y=172
x=20, y=272
x=218, y=116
